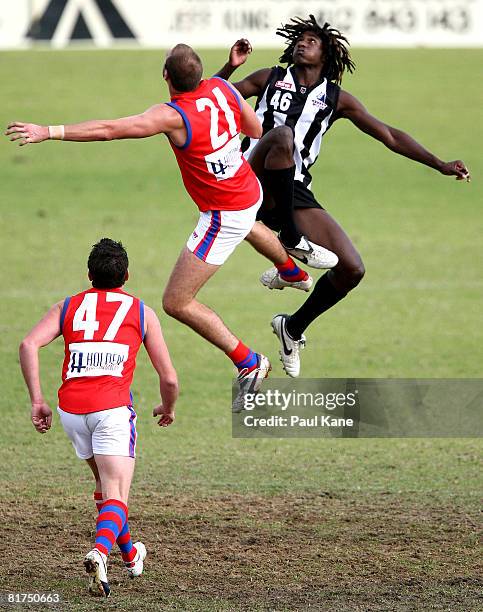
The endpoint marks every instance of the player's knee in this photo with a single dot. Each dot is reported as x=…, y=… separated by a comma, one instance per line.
x=282, y=134
x=354, y=274
x=348, y=274
x=173, y=306
x=170, y=305
x=282, y=140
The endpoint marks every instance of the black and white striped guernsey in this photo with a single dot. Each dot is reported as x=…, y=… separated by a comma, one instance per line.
x=309, y=111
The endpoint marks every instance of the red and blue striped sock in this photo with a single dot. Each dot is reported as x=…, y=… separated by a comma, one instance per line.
x=111, y=520
x=128, y=550
x=124, y=541
x=243, y=357
x=290, y=272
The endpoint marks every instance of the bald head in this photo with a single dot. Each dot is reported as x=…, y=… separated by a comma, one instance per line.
x=184, y=68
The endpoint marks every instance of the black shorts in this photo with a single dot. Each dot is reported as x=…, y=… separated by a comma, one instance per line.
x=302, y=198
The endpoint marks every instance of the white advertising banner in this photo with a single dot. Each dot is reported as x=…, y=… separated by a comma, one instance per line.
x=217, y=23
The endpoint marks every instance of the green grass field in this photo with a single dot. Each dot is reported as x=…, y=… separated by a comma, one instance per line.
x=251, y=524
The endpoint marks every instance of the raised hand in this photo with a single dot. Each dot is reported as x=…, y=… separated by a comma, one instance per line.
x=240, y=52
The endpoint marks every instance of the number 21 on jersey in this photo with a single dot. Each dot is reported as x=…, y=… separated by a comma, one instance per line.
x=217, y=139
x=226, y=158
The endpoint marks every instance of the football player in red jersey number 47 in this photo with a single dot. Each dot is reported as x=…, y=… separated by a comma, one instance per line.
x=103, y=329
x=203, y=122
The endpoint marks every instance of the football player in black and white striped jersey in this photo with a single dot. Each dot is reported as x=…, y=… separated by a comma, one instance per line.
x=296, y=106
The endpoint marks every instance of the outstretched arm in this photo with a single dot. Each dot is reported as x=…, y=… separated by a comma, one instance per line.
x=159, y=355
x=350, y=108
x=253, y=84
x=156, y=120
x=42, y=334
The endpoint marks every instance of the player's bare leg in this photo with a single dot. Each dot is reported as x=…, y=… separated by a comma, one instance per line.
x=329, y=289
x=320, y=227
x=272, y=160
x=264, y=242
x=274, y=151
x=188, y=276
x=273, y=163
x=92, y=464
x=133, y=555
x=114, y=475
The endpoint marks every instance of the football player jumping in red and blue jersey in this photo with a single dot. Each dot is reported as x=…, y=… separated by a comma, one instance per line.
x=103, y=329
x=203, y=122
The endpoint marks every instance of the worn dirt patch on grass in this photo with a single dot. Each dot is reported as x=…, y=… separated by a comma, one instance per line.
x=237, y=552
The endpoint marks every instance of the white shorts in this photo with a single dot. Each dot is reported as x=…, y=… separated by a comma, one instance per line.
x=219, y=232
x=107, y=432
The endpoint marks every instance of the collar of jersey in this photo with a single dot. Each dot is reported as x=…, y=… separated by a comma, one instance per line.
x=308, y=89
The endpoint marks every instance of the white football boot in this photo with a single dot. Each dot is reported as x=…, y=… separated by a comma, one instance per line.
x=136, y=566
x=290, y=350
x=271, y=278
x=95, y=564
x=250, y=382
x=313, y=254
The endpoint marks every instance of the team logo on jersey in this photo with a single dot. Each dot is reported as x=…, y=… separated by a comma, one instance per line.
x=285, y=85
x=225, y=162
x=303, y=90
x=319, y=101
x=96, y=359
x=218, y=168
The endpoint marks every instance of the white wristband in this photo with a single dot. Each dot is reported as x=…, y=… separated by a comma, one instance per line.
x=56, y=132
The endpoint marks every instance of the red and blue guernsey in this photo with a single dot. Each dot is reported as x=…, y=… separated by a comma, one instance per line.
x=103, y=330
x=214, y=171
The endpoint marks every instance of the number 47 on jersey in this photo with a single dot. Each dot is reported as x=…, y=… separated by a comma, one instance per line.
x=85, y=317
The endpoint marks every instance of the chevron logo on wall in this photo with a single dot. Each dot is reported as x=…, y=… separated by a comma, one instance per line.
x=64, y=21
